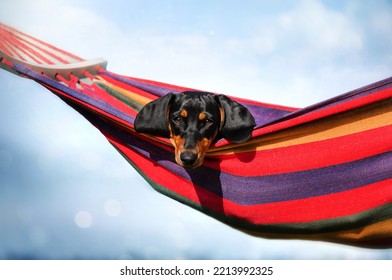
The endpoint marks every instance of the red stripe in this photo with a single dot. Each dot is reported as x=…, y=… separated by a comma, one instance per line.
x=308, y=209
x=320, y=208
x=26, y=43
x=58, y=58
x=14, y=31
x=28, y=51
x=6, y=62
x=8, y=49
x=157, y=173
x=305, y=156
x=97, y=93
x=17, y=51
x=296, y=211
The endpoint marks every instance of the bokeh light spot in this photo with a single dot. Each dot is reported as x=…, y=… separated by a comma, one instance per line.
x=83, y=219
x=113, y=207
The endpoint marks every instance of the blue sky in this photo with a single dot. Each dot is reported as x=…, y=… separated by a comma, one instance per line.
x=66, y=193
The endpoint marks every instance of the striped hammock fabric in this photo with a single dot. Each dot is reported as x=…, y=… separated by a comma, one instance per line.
x=323, y=172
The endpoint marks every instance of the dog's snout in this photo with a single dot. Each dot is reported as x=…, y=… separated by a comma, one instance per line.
x=188, y=158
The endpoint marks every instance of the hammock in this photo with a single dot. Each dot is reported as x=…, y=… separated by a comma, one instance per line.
x=323, y=172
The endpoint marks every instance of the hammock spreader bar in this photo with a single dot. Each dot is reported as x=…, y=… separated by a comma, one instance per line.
x=323, y=172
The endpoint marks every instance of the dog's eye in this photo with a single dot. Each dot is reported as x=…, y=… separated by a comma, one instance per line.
x=208, y=122
x=176, y=120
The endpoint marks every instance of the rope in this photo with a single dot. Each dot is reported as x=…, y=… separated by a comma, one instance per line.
x=24, y=44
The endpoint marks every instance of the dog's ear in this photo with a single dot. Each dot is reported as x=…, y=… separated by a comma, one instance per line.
x=238, y=122
x=152, y=118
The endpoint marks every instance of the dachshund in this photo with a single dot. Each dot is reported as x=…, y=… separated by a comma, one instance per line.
x=193, y=120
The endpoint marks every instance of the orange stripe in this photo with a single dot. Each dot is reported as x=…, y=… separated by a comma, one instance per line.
x=307, y=156
x=132, y=95
x=373, y=231
x=366, y=118
x=376, y=231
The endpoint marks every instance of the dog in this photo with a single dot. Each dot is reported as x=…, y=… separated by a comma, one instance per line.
x=193, y=120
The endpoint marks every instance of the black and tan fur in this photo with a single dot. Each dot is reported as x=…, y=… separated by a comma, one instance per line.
x=193, y=121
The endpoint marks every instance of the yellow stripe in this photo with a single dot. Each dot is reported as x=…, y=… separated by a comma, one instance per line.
x=354, y=121
x=132, y=95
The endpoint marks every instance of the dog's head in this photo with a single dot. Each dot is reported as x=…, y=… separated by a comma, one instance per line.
x=193, y=120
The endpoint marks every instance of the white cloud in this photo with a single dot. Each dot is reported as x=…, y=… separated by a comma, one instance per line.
x=284, y=61
x=325, y=29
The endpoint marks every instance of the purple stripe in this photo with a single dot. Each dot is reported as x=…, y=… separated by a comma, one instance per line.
x=291, y=186
x=264, y=115
x=153, y=89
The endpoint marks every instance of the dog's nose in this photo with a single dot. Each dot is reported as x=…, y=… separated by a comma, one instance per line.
x=188, y=158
